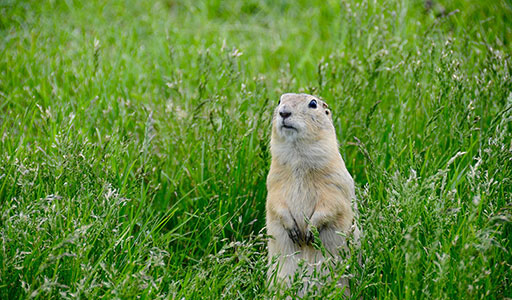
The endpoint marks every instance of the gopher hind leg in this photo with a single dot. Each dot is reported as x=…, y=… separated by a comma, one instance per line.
x=283, y=254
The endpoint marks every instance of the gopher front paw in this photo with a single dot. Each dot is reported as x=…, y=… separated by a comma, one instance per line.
x=309, y=237
x=295, y=234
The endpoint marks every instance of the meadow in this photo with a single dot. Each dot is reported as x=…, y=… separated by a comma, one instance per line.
x=134, y=143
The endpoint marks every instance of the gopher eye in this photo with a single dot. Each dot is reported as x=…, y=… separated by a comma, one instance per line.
x=312, y=104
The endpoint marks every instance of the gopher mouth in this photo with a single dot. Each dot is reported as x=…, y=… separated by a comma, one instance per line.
x=288, y=126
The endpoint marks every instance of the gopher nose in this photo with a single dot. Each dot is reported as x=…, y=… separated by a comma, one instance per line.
x=284, y=112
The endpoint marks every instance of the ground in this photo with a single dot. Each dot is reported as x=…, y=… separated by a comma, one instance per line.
x=134, y=143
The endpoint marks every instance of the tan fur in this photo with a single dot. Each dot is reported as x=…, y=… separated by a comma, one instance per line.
x=307, y=183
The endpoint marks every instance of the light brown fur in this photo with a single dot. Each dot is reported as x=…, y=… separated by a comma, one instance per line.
x=308, y=185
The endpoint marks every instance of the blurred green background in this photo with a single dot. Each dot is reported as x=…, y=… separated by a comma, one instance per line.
x=134, y=143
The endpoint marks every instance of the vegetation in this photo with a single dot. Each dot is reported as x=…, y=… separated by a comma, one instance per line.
x=134, y=143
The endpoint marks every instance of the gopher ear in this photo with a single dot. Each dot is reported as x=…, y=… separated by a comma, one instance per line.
x=325, y=105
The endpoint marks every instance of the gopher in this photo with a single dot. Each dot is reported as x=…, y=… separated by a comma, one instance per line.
x=308, y=186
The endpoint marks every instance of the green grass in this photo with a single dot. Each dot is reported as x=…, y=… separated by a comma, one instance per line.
x=134, y=143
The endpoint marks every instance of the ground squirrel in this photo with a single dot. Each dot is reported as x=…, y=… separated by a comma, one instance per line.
x=308, y=185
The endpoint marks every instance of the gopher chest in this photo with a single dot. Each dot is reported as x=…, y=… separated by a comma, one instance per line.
x=301, y=201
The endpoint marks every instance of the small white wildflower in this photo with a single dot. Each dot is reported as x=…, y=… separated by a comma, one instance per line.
x=236, y=53
x=476, y=199
x=96, y=44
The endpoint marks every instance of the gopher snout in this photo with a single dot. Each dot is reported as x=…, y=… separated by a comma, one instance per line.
x=285, y=115
x=285, y=111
